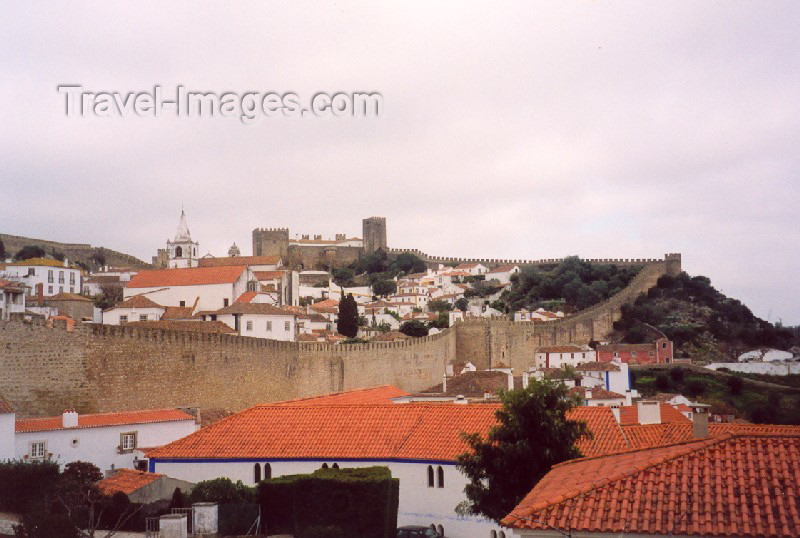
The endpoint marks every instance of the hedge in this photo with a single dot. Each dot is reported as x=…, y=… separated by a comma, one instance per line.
x=361, y=503
x=24, y=483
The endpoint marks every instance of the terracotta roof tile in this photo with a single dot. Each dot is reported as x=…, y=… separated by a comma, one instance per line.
x=268, y=275
x=598, y=393
x=12, y=284
x=196, y=276
x=629, y=414
x=472, y=384
x=98, y=420
x=65, y=296
x=246, y=297
x=367, y=396
x=127, y=481
x=178, y=313
x=255, y=308
x=597, y=367
x=726, y=486
x=137, y=301
x=228, y=261
x=607, y=434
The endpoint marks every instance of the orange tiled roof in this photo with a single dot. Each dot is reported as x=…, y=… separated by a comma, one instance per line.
x=652, y=435
x=137, y=301
x=629, y=414
x=195, y=276
x=229, y=261
x=268, y=275
x=178, y=313
x=502, y=269
x=255, y=308
x=598, y=393
x=5, y=407
x=368, y=396
x=127, y=481
x=246, y=297
x=397, y=431
x=98, y=420
x=743, y=485
x=65, y=296
x=597, y=367
x=12, y=284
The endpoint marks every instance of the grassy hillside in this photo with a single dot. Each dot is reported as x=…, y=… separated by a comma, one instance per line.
x=704, y=324
x=84, y=254
x=727, y=394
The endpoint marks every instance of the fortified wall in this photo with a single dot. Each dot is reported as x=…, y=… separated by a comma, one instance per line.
x=96, y=368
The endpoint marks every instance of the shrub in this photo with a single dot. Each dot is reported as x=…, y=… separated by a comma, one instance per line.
x=662, y=382
x=677, y=374
x=24, y=483
x=695, y=388
x=222, y=491
x=735, y=385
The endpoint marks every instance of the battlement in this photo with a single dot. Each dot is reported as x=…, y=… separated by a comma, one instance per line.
x=264, y=230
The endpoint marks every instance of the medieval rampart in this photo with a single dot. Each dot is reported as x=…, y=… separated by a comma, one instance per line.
x=101, y=368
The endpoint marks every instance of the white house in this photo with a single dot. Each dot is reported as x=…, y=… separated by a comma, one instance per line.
x=418, y=443
x=54, y=276
x=596, y=396
x=258, y=320
x=502, y=273
x=6, y=430
x=612, y=376
x=12, y=298
x=137, y=308
x=211, y=287
x=560, y=356
x=473, y=269
x=109, y=440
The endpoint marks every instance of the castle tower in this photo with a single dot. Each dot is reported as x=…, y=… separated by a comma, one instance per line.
x=374, y=229
x=182, y=252
x=271, y=242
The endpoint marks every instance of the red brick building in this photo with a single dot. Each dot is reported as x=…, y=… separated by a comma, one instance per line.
x=658, y=352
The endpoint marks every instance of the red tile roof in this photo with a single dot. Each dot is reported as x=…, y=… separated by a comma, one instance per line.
x=65, y=296
x=5, y=407
x=196, y=276
x=268, y=275
x=178, y=313
x=255, y=308
x=127, y=481
x=598, y=393
x=228, y=261
x=12, y=284
x=725, y=486
x=368, y=396
x=314, y=429
x=137, y=301
x=98, y=420
x=629, y=414
x=502, y=269
x=597, y=367
x=197, y=326
x=652, y=435
x=246, y=297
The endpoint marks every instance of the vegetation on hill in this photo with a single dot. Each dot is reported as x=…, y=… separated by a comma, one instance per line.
x=86, y=256
x=378, y=269
x=704, y=324
x=571, y=285
x=734, y=394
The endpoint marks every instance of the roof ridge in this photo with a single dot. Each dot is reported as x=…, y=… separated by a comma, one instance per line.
x=628, y=471
x=106, y=413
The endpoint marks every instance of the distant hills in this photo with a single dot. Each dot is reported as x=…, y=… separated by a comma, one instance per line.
x=81, y=253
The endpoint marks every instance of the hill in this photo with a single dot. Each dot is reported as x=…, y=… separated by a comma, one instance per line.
x=80, y=253
x=703, y=323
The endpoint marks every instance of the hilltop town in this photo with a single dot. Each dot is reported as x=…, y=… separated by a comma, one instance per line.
x=346, y=353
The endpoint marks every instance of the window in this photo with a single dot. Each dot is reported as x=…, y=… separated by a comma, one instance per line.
x=616, y=353
x=249, y=325
x=61, y=277
x=324, y=465
x=440, y=530
x=269, y=326
x=38, y=450
x=127, y=441
x=430, y=476
x=123, y=319
x=440, y=477
x=32, y=271
x=633, y=353
x=50, y=276
x=286, y=325
x=50, y=290
x=181, y=303
x=72, y=289
x=142, y=317
x=664, y=345
x=267, y=471
x=178, y=252
x=60, y=289
x=257, y=473
x=335, y=466
x=651, y=353
x=225, y=302
x=72, y=278
x=493, y=534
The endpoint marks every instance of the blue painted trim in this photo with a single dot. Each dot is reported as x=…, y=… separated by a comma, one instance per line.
x=608, y=385
x=153, y=461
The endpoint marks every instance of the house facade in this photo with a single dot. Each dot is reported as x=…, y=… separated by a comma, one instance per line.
x=54, y=276
x=658, y=352
x=560, y=356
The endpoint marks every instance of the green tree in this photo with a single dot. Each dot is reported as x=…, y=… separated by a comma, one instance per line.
x=222, y=491
x=2, y=251
x=344, y=276
x=462, y=303
x=414, y=328
x=347, y=324
x=438, y=305
x=532, y=434
x=382, y=288
x=30, y=251
x=735, y=385
x=408, y=263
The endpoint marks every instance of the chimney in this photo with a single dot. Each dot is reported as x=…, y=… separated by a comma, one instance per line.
x=588, y=394
x=525, y=380
x=649, y=412
x=700, y=420
x=40, y=294
x=460, y=399
x=511, y=380
x=66, y=262
x=444, y=384
x=69, y=419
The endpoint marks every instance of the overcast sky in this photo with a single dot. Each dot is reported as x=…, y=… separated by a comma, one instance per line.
x=509, y=130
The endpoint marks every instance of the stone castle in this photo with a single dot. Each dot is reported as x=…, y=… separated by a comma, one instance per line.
x=96, y=368
x=308, y=252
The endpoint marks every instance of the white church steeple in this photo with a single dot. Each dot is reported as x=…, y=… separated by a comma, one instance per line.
x=182, y=252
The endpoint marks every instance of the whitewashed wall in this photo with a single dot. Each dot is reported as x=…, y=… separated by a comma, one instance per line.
x=771, y=368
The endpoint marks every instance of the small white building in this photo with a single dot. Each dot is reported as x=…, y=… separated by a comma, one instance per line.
x=210, y=287
x=12, y=298
x=612, y=376
x=560, y=356
x=54, y=276
x=502, y=273
x=137, y=308
x=596, y=396
x=109, y=440
x=473, y=269
x=258, y=320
